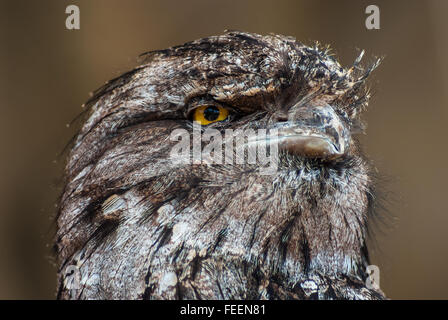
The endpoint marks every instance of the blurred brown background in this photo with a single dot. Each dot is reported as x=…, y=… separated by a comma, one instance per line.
x=47, y=71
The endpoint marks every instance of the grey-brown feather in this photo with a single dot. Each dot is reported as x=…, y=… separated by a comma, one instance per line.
x=138, y=226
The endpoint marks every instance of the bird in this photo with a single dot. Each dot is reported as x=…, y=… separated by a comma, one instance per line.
x=135, y=222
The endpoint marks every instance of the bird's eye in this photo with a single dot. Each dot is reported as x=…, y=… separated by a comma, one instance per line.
x=205, y=115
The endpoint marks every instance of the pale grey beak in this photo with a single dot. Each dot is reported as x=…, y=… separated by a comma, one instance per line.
x=314, y=132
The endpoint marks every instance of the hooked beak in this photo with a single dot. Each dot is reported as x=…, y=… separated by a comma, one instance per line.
x=314, y=132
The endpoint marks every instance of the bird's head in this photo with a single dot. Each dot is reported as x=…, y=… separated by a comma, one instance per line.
x=129, y=199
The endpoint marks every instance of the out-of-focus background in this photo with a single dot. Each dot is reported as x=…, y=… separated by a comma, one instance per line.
x=47, y=71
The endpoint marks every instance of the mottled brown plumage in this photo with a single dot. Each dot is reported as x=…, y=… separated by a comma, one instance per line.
x=133, y=224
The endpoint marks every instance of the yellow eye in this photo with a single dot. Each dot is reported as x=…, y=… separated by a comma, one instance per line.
x=208, y=114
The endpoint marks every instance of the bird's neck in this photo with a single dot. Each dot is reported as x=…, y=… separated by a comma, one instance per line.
x=325, y=229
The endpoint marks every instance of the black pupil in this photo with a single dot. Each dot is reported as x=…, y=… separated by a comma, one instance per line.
x=211, y=113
